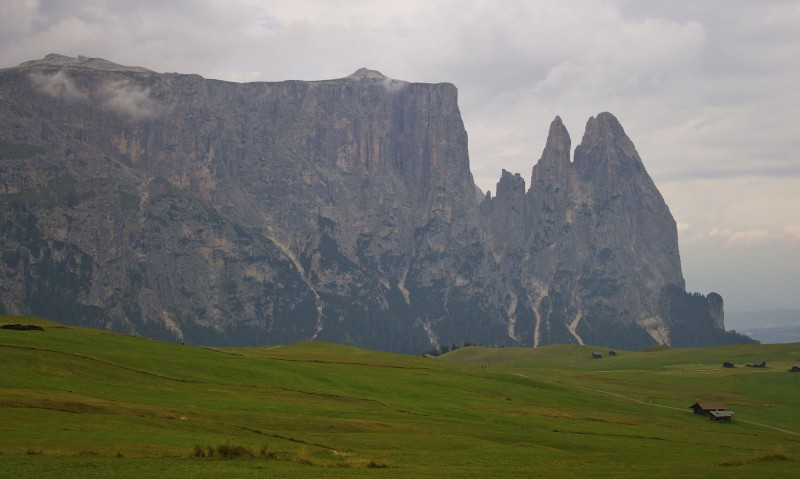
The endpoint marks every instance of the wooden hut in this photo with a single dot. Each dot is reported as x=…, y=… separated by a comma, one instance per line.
x=728, y=364
x=720, y=416
x=703, y=408
x=597, y=355
x=716, y=411
x=762, y=364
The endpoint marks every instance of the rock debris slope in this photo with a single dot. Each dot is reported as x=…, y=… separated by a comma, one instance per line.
x=210, y=212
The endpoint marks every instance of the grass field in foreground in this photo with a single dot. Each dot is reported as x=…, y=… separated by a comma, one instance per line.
x=86, y=403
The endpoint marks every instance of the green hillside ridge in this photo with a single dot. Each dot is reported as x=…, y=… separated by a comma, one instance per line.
x=88, y=403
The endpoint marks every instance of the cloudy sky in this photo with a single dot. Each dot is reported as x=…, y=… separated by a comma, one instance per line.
x=707, y=90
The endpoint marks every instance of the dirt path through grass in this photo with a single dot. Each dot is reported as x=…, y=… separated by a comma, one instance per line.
x=648, y=403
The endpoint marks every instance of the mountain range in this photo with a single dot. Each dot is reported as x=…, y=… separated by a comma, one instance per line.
x=187, y=209
x=771, y=326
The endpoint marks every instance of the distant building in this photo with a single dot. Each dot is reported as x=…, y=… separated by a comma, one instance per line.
x=704, y=407
x=728, y=364
x=597, y=355
x=715, y=410
x=795, y=368
x=612, y=353
x=720, y=416
x=762, y=364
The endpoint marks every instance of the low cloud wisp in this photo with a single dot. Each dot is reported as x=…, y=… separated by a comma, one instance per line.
x=58, y=86
x=118, y=96
x=126, y=99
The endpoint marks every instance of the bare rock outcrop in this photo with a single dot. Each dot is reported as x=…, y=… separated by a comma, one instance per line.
x=188, y=209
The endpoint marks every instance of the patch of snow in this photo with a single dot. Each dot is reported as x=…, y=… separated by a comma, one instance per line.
x=656, y=328
x=428, y=328
x=537, y=331
x=171, y=325
x=573, y=326
x=512, y=318
x=304, y=276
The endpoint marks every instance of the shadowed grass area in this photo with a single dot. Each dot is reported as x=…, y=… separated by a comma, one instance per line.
x=97, y=404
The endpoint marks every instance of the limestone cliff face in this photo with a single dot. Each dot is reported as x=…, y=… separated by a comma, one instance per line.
x=603, y=243
x=212, y=212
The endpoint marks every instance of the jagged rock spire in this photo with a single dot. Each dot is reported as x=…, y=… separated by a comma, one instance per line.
x=555, y=156
x=558, y=142
x=605, y=146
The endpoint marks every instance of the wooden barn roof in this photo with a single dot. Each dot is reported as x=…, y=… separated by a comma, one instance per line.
x=710, y=406
x=721, y=413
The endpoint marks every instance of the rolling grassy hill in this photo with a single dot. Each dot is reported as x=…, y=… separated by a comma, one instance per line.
x=86, y=403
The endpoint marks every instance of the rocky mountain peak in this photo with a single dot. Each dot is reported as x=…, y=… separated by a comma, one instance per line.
x=57, y=60
x=367, y=74
x=558, y=140
x=556, y=153
x=511, y=183
x=606, y=147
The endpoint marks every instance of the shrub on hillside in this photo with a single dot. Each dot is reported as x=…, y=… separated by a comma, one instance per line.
x=227, y=450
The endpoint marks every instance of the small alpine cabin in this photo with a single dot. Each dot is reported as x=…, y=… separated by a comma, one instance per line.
x=716, y=411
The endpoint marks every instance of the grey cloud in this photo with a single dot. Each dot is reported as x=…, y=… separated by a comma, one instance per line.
x=58, y=85
x=393, y=86
x=129, y=100
x=120, y=97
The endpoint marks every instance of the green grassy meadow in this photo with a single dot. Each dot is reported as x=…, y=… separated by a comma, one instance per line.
x=86, y=403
